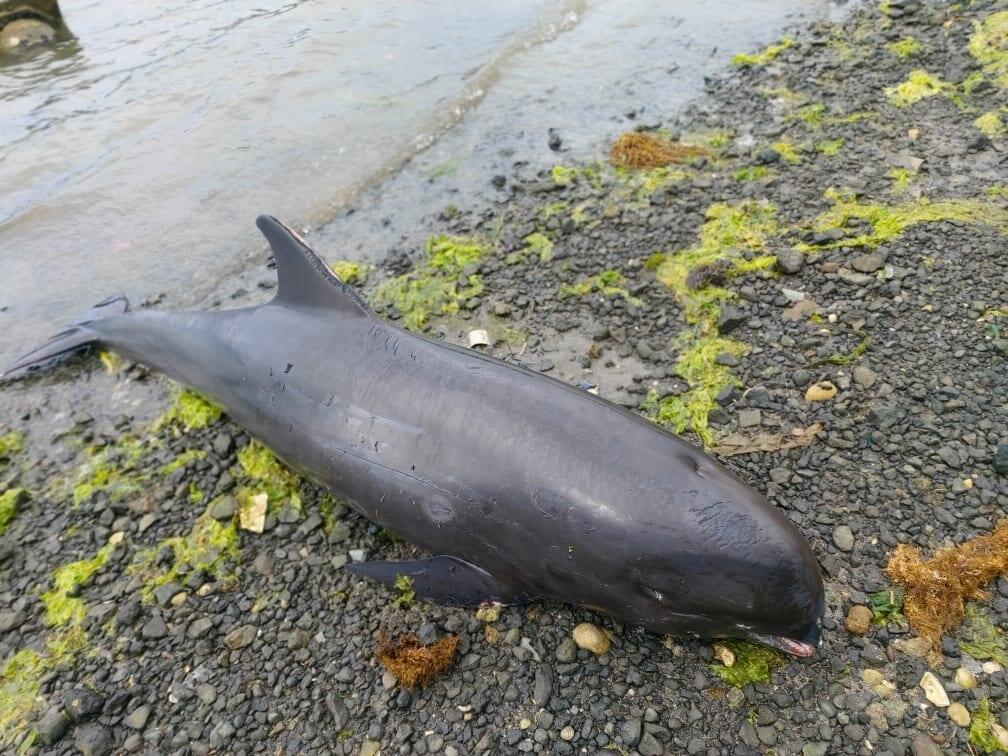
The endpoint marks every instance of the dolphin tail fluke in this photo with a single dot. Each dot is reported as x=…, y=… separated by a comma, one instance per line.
x=442, y=579
x=75, y=337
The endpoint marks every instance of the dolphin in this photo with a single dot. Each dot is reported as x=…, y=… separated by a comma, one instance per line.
x=522, y=486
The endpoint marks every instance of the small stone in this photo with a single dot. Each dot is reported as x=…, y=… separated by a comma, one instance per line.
x=567, y=651
x=750, y=418
x=864, y=377
x=567, y=733
x=630, y=731
x=370, y=748
x=52, y=726
x=922, y=745
x=154, y=629
x=240, y=637
x=206, y=693
x=223, y=508
x=82, y=704
x=933, y=690
x=200, y=627
x=965, y=679
x=221, y=734
x=297, y=639
x=11, y=620
x=859, y=619
x=730, y=319
x=917, y=647
x=94, y=740
x=959, y=714
x=1001, y=458
x=164, y=593
x=252, y=516
x=790, y=261
x=843, y=538
x=137, y=719
x=388, y=680
x=543, y=686
x=489, y=613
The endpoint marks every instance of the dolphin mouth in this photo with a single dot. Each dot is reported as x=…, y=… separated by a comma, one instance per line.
x=787, y=645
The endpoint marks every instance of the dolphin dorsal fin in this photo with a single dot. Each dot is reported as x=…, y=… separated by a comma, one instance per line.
x=303, y=279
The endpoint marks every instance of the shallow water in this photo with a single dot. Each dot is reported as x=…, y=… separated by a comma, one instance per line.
x=136, y=155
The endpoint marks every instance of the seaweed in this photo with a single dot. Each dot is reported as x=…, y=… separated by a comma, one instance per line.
x=350, y=272
x=637, y=150
x=414, y=664
x=984, y=730
x=830, y=147
x=904, y=49
x=9, y=503
x=989, y=46
x=918, y=86
x=191, y=411
x=763, y=57
x=986, y=640
x=754, y=664
x=62, y=602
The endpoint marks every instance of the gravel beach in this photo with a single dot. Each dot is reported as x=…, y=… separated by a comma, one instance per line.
x=817, y=292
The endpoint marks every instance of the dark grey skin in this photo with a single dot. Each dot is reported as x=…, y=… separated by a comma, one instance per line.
x=527, y=487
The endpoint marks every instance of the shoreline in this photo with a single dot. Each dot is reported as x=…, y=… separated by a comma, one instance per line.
x=841, y=219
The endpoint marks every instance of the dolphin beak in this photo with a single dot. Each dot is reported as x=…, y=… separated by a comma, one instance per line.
x=787, y=645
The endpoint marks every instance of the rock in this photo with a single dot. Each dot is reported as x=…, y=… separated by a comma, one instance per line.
x=223, y=445
x=370, y=748
x=818, y=748
x=221, y=734
x=206, y=693
x=1001, y=458
x=11, y=620
x=200, y=627
x=630, y=731
x=137, y=719
x=240, y=637
x=223, y=508
x=82, y=704
x=864, y=377
x=922, y=745
x=950, y=457
x=820, y=392
x=338, y=710
x=154, y=629
x=567, y=651
x=730, y=319
x=53, y=725
x=567, y=733
x=843, y=538
x=127, y=614
x=959, y=714
x=750, y=418
x=649, y=746
x=790, y=261
x=297, y=639
x=164, y=593
x=965, y=679
x=933, y=690
x=94, y=740
x=906, y=160
x=917, y=647
x=252, y=515
x=543, y=687
x=859, y=619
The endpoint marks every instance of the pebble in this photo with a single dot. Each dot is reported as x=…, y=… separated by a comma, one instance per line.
x=240, y=637
x=843, y=538
x=93, y=740
x=859, y=617
x=53, y=725
x=567, y=733
x=137, y=719
x=922, y=745
x=959, y=714
x=863, y=376
x=567, y=651
x=790, y=260
x=155, y=628
x=82, y=704
x=965, y=679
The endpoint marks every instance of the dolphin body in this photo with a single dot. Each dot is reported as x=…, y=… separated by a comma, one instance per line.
x=525, y=487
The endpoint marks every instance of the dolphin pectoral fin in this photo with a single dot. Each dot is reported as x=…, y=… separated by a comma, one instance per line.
x=303, y=279
x=441, y=579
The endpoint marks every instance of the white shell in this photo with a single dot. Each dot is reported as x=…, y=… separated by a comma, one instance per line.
x=479, y=337
x=933, y=690
x=592, y=638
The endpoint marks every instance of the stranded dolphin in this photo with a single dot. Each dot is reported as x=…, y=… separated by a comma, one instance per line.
x=525, y=487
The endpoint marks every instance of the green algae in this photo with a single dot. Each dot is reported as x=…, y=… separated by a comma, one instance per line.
x=901, y=178
x=183, y=459
x=62, y=603
x=986, y=640
x=539, y=245
x=553, y=209
x=918, y=86
x=563, y=175
x=404, y=591
x=992, y=123
x=997, y=190
x=110, y=361
x=763, y=57
x=981, y=733
x=760, y=264
x=989, y=46
x=786, y=149
x=190, y=411
x=350, y=272
x=754, y=664
x=830, y=147
x=841, y=359
x=9, y=503
x=210, y=547
x=889, y=221
x=751, y=173
x=111, y=469
x=728, y=232
x=437, y=285
x=21, y=676
x=904, y=49
x=811, y=115
x=886, y=606
x=195, y=495
x=260, y=465
x=609, y=283
x=650, y=181
x=10, y=444
x=698, y=366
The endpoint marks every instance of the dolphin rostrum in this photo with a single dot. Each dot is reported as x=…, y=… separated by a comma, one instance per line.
x=523, y=486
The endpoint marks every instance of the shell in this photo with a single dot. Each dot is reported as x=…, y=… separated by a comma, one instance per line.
x=965, y=679
x=592, y=638
x=933, y=690
x=478, y=337
x=820, y=392
x=724, y=654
